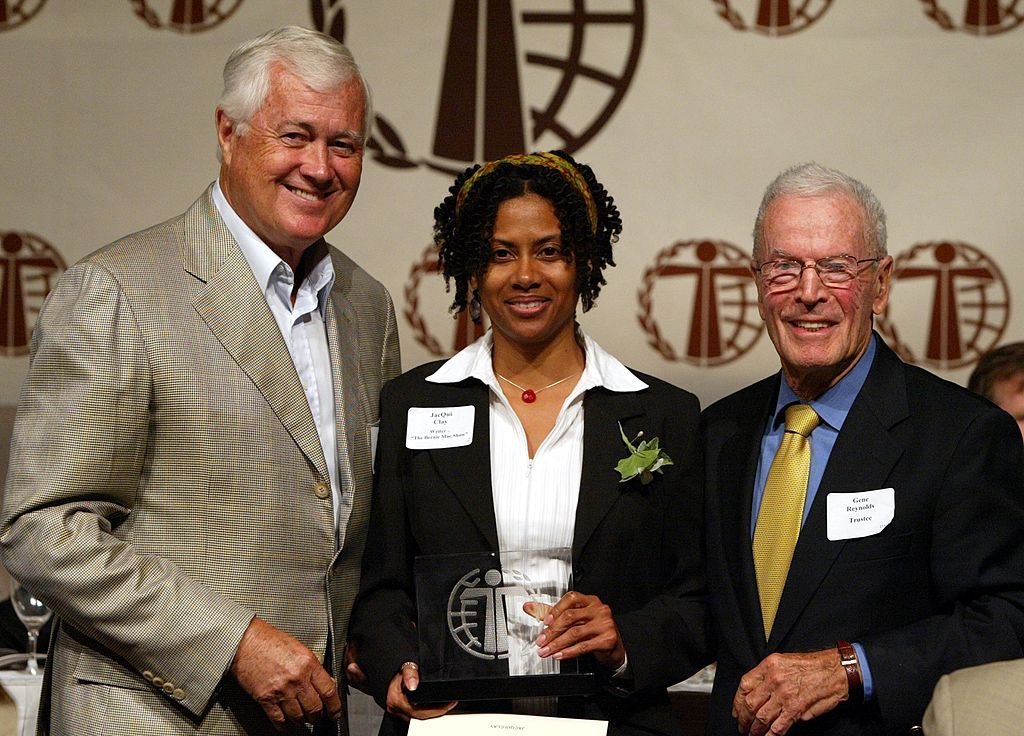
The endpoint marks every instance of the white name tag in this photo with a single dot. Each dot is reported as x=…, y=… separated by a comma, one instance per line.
x=861, y=514
x=432, y=428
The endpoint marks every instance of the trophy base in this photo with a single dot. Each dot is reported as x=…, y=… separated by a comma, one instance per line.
x=502, y=688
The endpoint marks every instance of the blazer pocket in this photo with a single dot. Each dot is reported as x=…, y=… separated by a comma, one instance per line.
x=868, y=549
x=101, y=670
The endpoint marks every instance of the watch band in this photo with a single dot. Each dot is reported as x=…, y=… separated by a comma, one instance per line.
x=854, y=680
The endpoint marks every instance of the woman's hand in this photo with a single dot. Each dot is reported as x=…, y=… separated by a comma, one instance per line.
x=354, y=675
x=579, y=624
x=398, y=704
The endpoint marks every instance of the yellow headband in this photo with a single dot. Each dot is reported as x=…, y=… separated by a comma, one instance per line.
x=547, y=160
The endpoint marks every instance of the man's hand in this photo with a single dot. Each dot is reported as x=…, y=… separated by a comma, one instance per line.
x=284, y=676
x=580, y=624
x=398, y=704
x=786, y=688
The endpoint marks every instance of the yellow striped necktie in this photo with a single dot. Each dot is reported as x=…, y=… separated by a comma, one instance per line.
x=782, y=508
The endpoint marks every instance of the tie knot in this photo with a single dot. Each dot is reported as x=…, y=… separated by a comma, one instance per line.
x=801, y=418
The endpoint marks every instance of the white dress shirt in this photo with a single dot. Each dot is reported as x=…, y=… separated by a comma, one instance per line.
x=305, y=333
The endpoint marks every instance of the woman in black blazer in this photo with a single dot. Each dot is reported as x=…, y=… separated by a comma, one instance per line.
x=535, y=419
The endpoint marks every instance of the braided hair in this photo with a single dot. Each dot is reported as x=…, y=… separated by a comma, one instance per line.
x=464, y=221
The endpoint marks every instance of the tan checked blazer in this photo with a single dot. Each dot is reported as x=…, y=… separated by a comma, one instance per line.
x=167, y=482
x=978, y=701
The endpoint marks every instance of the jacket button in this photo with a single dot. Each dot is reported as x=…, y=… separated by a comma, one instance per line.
x=148, y=675
x=322, y=490
x=179, y=694
x=577, y=575
x=158, y=681
x=168, y=687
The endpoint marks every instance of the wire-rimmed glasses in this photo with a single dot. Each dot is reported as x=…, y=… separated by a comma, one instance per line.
x=839, y=271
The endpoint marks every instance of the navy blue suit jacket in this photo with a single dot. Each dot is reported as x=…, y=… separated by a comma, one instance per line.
x=941, y=587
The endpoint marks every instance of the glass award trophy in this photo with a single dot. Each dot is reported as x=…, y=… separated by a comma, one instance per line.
x=476, y=640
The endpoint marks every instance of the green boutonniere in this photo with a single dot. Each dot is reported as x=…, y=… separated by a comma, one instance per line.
x=645, y=459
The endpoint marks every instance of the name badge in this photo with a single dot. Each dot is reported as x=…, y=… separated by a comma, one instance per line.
x=431, y=428
x=861, y=514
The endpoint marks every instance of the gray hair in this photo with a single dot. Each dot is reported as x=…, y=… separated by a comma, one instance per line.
x=814, y=180
x=317, y=59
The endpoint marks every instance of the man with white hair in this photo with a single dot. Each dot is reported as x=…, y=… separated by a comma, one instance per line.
x=191, y=467
x=865, y=518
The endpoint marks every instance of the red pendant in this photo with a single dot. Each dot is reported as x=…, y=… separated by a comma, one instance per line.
x=529, y=396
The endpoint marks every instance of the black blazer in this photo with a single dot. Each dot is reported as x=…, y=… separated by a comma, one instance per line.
x=941, y=587
x=638, y=547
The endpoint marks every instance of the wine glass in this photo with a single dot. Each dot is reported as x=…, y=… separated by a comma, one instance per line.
x=34, y=614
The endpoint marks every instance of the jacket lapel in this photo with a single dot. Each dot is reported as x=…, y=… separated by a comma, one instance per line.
x=466, y=471
x=862, y=459
x=343, y=346
x=599, y=483
x=234, y=308
x=736, y=521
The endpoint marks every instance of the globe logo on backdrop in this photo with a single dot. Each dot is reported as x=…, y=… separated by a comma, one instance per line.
x=965, y=300
x=14, y=13
x=771, y=17
x=977, y=17
x=464, y=330
x=515, y=77
x=705, y=289
x=29, y=267
x=185, y=16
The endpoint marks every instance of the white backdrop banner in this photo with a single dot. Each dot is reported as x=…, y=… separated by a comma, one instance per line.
x=685, y=110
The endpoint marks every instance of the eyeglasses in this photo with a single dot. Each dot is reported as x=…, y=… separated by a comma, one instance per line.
x=834, y=271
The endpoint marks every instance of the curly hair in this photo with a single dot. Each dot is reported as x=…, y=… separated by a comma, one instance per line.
x=464, y=221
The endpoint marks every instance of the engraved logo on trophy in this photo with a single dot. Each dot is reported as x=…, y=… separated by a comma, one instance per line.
x=979, y=17
x=480, y=607
x=29, y=267
x=465, y=332
x=14, y=13
x=185, y=16
x=515, y=77
x=966, y=298
x=771, y=17
x=713, y=278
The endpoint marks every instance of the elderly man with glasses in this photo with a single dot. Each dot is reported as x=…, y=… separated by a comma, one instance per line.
x=864, y=518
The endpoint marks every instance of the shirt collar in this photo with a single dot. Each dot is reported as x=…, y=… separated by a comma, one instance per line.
x=833, y=405
x=271, y=272
x=601, y=369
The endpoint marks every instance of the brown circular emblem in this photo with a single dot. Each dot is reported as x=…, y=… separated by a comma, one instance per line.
x=977, y=17
x=15, y=12
x=186, y=16
x=967, y=299
x=710, y=281
x=771, y=17
x=489, y=101
x=29, y=267
x=465, y=330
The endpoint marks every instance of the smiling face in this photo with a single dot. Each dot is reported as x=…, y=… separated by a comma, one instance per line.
x=819, y=331
x=529, y=288
x=293, y=175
